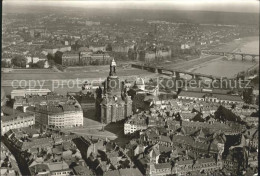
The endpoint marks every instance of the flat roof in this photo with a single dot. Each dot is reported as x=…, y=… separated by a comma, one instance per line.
x=30, y=90
x=191, y=94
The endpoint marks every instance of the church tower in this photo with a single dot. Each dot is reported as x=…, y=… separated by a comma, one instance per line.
x=111, y=105
x=112, y=84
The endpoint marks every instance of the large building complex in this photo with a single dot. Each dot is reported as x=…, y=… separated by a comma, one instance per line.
x=217, y=97
x=74, y=58
x=61, y=116
x=24, y=92
x=32, y=100
x=51, y=109
x=16, y=121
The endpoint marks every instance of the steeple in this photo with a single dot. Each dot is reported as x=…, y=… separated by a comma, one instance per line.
x=112, y=68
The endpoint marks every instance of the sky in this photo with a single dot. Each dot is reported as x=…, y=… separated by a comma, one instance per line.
x=251, y=6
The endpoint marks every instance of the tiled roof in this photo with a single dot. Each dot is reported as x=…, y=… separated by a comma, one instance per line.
x=184, y=162
x=9, y=111
x=163, y=166
x=58, y=166
x=191, y=94
x=81, y=170
x=112, y=173
x=16, y=116
x=37, y=142
x=205, y=160
x=187, y=115
x=38, y=168
x=165, y=139
x=219, y=91
x=228, y=97
x=130, y=172
x=165, y=149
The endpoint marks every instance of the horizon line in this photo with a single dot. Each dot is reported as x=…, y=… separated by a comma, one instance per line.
x=243, y=6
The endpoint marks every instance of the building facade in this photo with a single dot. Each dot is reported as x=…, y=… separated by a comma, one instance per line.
x=34, y=100
x=135, y=123
x=70, y=58
x=212, y=97
x=16, y=121
x=64, y=116
x=24, y=92
x=83, y=58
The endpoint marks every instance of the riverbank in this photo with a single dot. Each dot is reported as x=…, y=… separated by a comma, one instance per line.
x=234, y=45
x=71, y=75
x=229, y=68
x=63, y=82
x=203, y=64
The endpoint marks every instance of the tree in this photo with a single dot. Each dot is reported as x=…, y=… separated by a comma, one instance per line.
x=50, y=56
x=131, y=54
x=138, y=102
x=4, y=64
x=142, y=55
x=51, y=62
x=58, y=57
x=19, y=61
x=40, y=64
x=247, y=95
x=198, y=51
x=109, y=47
x=76, y=46
x=98, y=62
x=192, y=51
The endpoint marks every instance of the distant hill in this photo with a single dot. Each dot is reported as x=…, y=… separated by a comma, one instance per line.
x=147, y=14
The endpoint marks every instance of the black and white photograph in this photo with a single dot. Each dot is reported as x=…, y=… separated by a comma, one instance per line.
x=129, y=87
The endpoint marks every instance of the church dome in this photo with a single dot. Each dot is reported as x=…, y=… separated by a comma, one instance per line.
x=113, y=63
x=139, y=81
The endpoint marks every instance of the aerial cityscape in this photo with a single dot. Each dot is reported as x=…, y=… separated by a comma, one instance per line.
x=130, y=88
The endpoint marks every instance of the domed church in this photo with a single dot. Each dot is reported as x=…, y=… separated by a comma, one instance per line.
x=112, y=103
x=139, y=83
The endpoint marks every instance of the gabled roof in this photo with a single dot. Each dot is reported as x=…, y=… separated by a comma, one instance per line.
x=39, y=168
x=205, y=160
x=16, y=116
x=112, y=173
x=130, y=172
x=9, y=111
x=58, y=166
x=184, y=162
x=192, y=94
x=81, y=170
x=155, y=150
x=163, y=166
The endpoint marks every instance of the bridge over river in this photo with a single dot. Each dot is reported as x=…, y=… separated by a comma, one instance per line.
x=174, y=72
x=232, y=54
